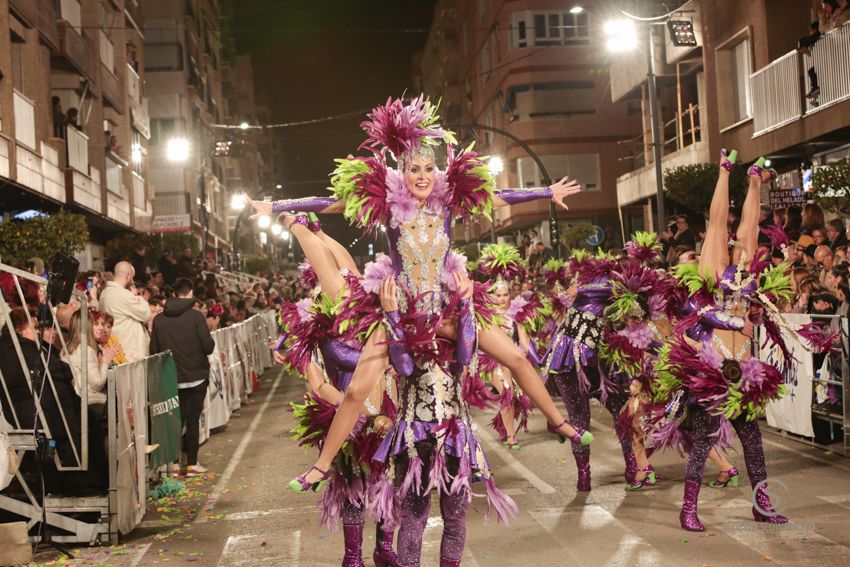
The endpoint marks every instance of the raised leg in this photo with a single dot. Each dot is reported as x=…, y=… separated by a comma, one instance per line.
x=748, y=228
x=340, y=253
x=320, y=257
x=497, y=344
x=715, y=250
x=370, y=369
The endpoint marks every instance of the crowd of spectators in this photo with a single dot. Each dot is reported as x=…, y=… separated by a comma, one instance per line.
x=133, y=312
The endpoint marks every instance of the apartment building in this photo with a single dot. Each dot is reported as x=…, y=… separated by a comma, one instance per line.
x=183, y=63
x=536, y=69
x=85, y=55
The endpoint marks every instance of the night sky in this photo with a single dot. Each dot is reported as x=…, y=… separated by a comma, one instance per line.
x=316, y=58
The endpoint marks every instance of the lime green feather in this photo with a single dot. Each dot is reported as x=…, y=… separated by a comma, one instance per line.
x=775, y=280
x=694, y=280
x=647, y=239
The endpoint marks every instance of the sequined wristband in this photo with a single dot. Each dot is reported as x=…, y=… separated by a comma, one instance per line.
x=523, y=195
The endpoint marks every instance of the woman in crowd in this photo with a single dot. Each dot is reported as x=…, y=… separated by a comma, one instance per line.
x=101, y=324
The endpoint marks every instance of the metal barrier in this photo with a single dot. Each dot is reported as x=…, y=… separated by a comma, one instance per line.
x=815, y=409
x=136, y=397
x=28, y=384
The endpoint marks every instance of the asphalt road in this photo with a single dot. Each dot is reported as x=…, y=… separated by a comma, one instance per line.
x=243, y=516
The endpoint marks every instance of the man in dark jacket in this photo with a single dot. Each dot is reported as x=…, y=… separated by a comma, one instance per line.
x=184, y=332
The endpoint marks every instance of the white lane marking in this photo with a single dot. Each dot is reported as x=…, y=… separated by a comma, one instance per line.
x=842, y=500
x=230, y=547
x=142, y=549
x=209, y=505
x=253, y=514
x=512, y=463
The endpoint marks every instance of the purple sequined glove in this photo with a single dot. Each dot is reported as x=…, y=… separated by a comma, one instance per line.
x=466, y=333
x=516, y=196
x=303, y=205
x=400, y=357
x=714, y=319
x=341, y=354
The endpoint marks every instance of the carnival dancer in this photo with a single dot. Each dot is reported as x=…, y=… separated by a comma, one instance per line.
x=572, y=361
x=709, y=368
x=502, y=265
x=417, y=204
x=311, y=347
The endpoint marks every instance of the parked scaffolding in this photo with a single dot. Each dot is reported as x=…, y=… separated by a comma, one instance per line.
x=50, y=436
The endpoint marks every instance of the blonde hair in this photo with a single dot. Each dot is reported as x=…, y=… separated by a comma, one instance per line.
x=75, y=335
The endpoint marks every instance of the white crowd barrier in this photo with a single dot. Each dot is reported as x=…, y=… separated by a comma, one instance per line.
x=143, y=421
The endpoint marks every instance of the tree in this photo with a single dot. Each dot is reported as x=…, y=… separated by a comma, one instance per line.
x=692, y=186
x=257, y=264
x=831, y=187
x=42, y=237
x=575, y=236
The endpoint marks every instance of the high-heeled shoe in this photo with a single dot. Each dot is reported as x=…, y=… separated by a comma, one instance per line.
x=647, y=480
x=757, y=169
x=727, y=159
x=581, y=436
x=300, y=484
x=763, y=511
x=289, y=220
x=733, y=479
x=384, y=555
x=313, y=224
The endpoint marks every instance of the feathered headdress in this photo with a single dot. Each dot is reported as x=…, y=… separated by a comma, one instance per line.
x=501, y=262
x=643, y=246
x=555, y=271
x=400, y=128
x=308, y=275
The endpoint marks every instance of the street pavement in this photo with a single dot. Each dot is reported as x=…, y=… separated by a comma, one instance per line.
x=243, y=516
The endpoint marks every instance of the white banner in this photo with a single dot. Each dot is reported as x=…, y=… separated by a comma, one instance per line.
x=793, y=413
x=131, y=390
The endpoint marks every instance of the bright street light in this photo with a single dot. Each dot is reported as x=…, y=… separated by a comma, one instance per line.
x=284, y=235
x=177, y=149
x=278, y=186
x=237, y=201
x=621, y=34
x=244, y=126
x=136, y=153
x=276, y=228
x=264, y=221
x=576, y=10
x=495, y=165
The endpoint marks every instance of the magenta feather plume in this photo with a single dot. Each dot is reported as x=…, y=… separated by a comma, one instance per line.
x=498, y=425
x=332, y=502
x=306, y=335
x=315, y=421
x=820, y=338
x=375, y=272
x=506, y=509
x=482, y=301
x=308, y=275
x=381, y=505
x=776, y=234
x=412, y=479
x=359, y=312
x=403, y=205
x=455, y=264
x=398, y=127
x=589, y=270
x=467, y=192
x=476, y=393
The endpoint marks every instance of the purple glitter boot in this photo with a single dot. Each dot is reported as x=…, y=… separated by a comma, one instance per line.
x=688, y=516
x=449, y=562
x=631, y=468
x=384, y=555
x=353, y=536
x=763, y=510
x=583, y=467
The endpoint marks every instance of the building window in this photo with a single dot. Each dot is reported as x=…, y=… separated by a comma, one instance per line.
x=582, y=167
x=549, y=28
x=162, y=129
x=163, y=57
x=734, y=66
x=485, y=61
x=550, y=100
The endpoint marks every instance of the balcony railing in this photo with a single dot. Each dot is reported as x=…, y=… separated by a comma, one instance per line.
x=141, y=119
x=78, y=49
x=134, y=86
x=24, y=120
x=778, y=88
x=830, y=57
x=776, y=94
x=26, y=9
x=47, y=22
x=78, y=150
x=173, y=203
x=133, y=9
x=112, y=90
x=139, y=197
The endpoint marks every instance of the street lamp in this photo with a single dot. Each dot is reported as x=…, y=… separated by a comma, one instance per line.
x=244, y=126
x=264, y=221
x=284, y=235
x=622, y=36
x=278, y=186
x=237, y=201
x=576, y=10
x=495, y=165
x=177, y=149
x=276, y=229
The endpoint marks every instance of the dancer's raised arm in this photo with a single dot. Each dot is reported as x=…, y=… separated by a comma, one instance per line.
x=557, y=192
x=324, y=205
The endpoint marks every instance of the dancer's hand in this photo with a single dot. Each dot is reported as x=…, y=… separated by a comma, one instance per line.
x=747, y=331
x=389, y=301
x=261, y=208
x=278, y=358
x=382, y=425
x=464, y=285
x=563, y=189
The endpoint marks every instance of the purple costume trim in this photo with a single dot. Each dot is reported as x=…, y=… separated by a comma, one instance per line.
x=303, y=205
x=517, y=196
x=467, y=336
x=400, y=357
